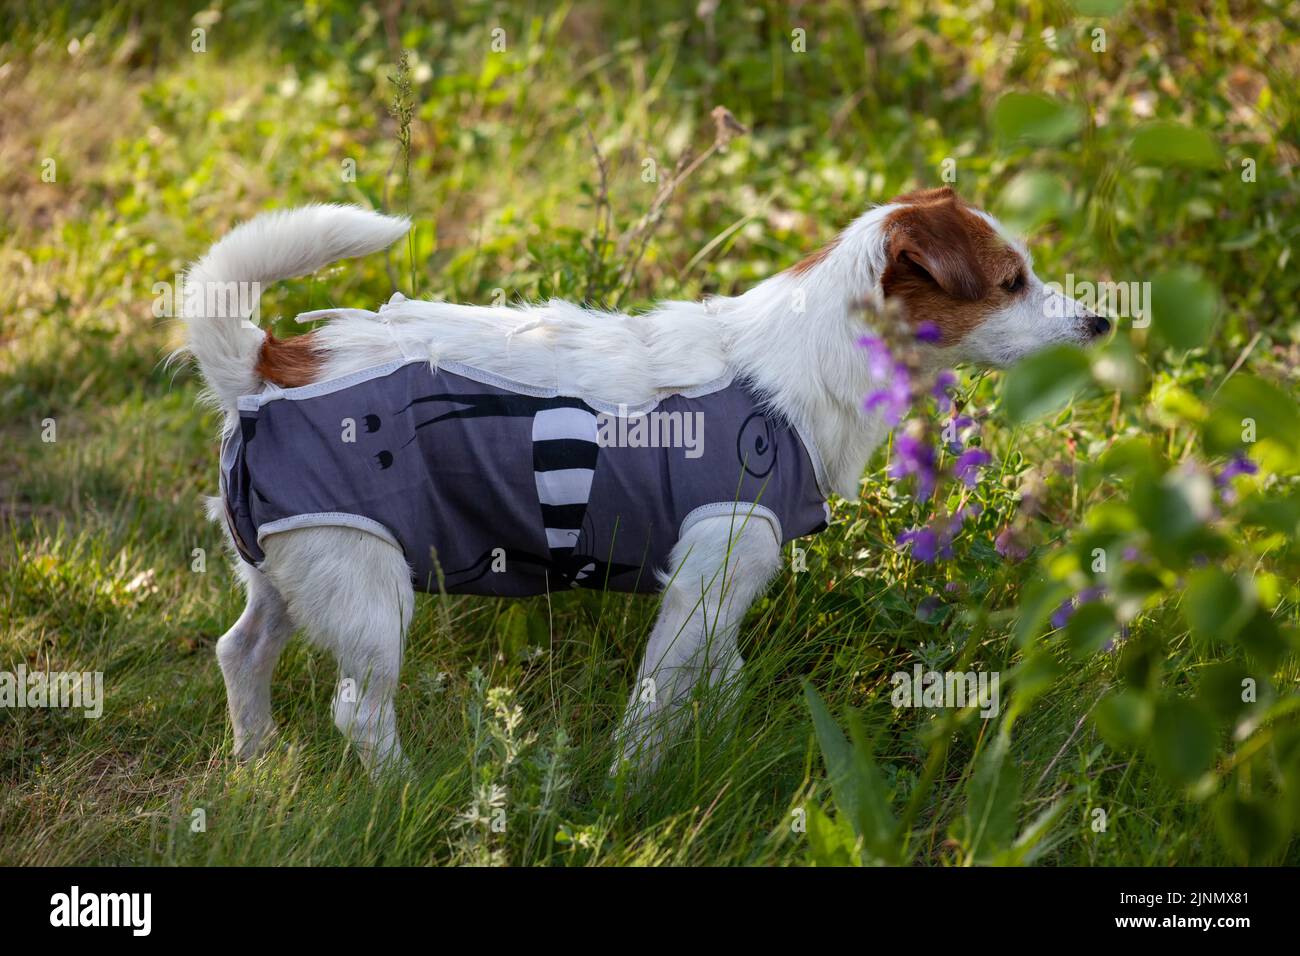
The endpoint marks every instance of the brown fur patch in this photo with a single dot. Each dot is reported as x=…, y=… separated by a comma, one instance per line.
x=810, y=260
x=289, y=362
x=918, y=197
x=946, y=264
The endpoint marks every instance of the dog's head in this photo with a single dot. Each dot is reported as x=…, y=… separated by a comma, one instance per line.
x=952, y=265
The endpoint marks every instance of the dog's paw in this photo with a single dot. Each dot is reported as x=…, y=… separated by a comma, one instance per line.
x=396, y=767
x=640, y=751
x=252, y=744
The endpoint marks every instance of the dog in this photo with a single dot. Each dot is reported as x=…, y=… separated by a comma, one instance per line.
x=489, y=417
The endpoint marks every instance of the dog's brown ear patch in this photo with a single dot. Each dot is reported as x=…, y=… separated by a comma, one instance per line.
x=945, y=263
x=939, y=238
x=289, y=363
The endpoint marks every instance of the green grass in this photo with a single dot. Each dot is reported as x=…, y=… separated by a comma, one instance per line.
x=158, y=150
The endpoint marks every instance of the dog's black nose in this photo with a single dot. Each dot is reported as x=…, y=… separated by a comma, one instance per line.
x=1098, y=325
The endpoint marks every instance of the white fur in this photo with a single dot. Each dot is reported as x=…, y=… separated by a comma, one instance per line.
x=274, y=246
x=793, y=337
x=719, y=567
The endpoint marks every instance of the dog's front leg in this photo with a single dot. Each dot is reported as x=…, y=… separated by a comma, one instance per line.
x=719, y=566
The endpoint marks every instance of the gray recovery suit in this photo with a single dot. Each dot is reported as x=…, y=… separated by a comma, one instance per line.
x=490, y=486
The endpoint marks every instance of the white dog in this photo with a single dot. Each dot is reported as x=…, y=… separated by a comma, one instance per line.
x=347, y=580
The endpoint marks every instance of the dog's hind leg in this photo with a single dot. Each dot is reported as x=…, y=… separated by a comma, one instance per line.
x=351, y=593
x=247, y=654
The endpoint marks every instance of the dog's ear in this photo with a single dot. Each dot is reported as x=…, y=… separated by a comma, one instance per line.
x=934, y=238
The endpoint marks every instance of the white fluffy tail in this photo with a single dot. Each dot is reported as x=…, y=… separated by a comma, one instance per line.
x=222, y=287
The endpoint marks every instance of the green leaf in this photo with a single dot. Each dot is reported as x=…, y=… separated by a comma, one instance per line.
x=1098, y=8
x=1135, y=584
x=831, y=842
x=1220, y=690
x=1032, y=198
x=1032, y=677
x=993, y=797
x=1124, y=718
x=1033, y=842
x=1184, y=306
x=1174, y=512
x=1045, y=382
x=1245, y=398
x=1142, y=659
x=1222, y=433
x=1115, y=366
x=1089, y=628
x=1253, y=829
x=1111, y=517
x=1163, y=143
x=1040, y=599
x=859, y=790
x=1276, y=514
x=1216, y=606
x=1035, y=118
x=1263, y=639
x=1183, y=741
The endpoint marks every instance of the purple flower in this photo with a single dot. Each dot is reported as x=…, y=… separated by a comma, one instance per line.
x=916, y=458
x=934, y=541
x=929, y=332
x=1061, y=616
x=1240, y=465
x=892, y=401
x=894, y=397
x=952, y=431
x=879, y=361
x=942, y=382
x=1010, y=544
x=969, y=464
x=1114, y=642
x=924, y=542
x=928, y=607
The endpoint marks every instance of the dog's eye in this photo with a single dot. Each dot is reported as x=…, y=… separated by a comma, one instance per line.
x=1015, y=284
